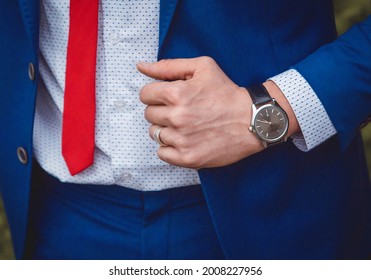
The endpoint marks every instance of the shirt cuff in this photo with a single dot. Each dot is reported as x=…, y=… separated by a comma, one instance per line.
x=316, y=126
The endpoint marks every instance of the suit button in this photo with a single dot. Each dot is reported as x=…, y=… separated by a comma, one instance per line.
x=31, y=71
x=22, y=155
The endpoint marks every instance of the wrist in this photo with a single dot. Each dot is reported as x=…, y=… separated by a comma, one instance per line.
x=277, y=94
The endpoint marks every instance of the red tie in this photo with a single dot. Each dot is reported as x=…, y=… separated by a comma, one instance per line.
x=79, y=97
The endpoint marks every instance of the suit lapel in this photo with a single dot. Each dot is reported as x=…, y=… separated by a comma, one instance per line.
x=30, y=14
x=167, y=9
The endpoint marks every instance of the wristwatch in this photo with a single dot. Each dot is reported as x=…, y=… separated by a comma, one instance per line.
x=269, y=122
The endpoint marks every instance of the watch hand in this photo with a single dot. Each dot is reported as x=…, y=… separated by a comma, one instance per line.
x=264, y=122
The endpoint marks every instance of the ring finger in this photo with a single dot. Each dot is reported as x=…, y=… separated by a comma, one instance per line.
x=165, y=135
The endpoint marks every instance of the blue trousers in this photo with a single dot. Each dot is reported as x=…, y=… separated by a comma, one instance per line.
x=72, y=221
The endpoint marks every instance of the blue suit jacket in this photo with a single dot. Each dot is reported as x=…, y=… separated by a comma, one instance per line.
x=280, y=203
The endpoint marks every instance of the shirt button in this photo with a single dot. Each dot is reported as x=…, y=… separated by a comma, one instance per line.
x=126, y=176
x=31, y=71
x=120, y=105
x=115, y=38
x=22, y=155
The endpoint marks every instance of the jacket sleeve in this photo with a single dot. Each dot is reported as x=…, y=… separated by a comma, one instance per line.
x=340, y=74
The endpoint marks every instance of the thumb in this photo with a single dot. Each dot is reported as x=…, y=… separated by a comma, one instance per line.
x=169, y=69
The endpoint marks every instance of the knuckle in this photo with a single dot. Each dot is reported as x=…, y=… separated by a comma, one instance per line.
x=174, y=94
x=182, y=142
x=207, y=60
x=189, y=159
x=177, y=118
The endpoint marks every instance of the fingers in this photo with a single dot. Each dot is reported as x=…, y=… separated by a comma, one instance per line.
x=174, y=149
x=168, y=106
x=154, y=93
x=169, y=69
x=163, y=93
x=166, y=135
x=158, y=114
x=176, y=157
x=169, y=152
x=169, y=155
x=174, y=73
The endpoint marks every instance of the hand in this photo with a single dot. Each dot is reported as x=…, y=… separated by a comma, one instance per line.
x=205, y=116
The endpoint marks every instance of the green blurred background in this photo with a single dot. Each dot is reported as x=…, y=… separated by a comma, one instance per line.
x=347, y=12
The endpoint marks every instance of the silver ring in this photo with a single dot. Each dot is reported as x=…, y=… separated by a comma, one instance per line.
x=156, y=136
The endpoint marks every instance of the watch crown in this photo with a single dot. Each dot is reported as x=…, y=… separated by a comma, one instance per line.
x=251, y=129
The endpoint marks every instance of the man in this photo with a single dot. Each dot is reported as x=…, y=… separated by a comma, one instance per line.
x=261, y=196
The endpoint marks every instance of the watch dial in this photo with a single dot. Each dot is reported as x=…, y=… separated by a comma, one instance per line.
x=270, y=123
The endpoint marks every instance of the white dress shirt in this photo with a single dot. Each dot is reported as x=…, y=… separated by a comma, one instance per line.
x=125, y=155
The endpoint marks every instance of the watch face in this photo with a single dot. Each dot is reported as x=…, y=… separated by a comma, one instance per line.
x=270, y=123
